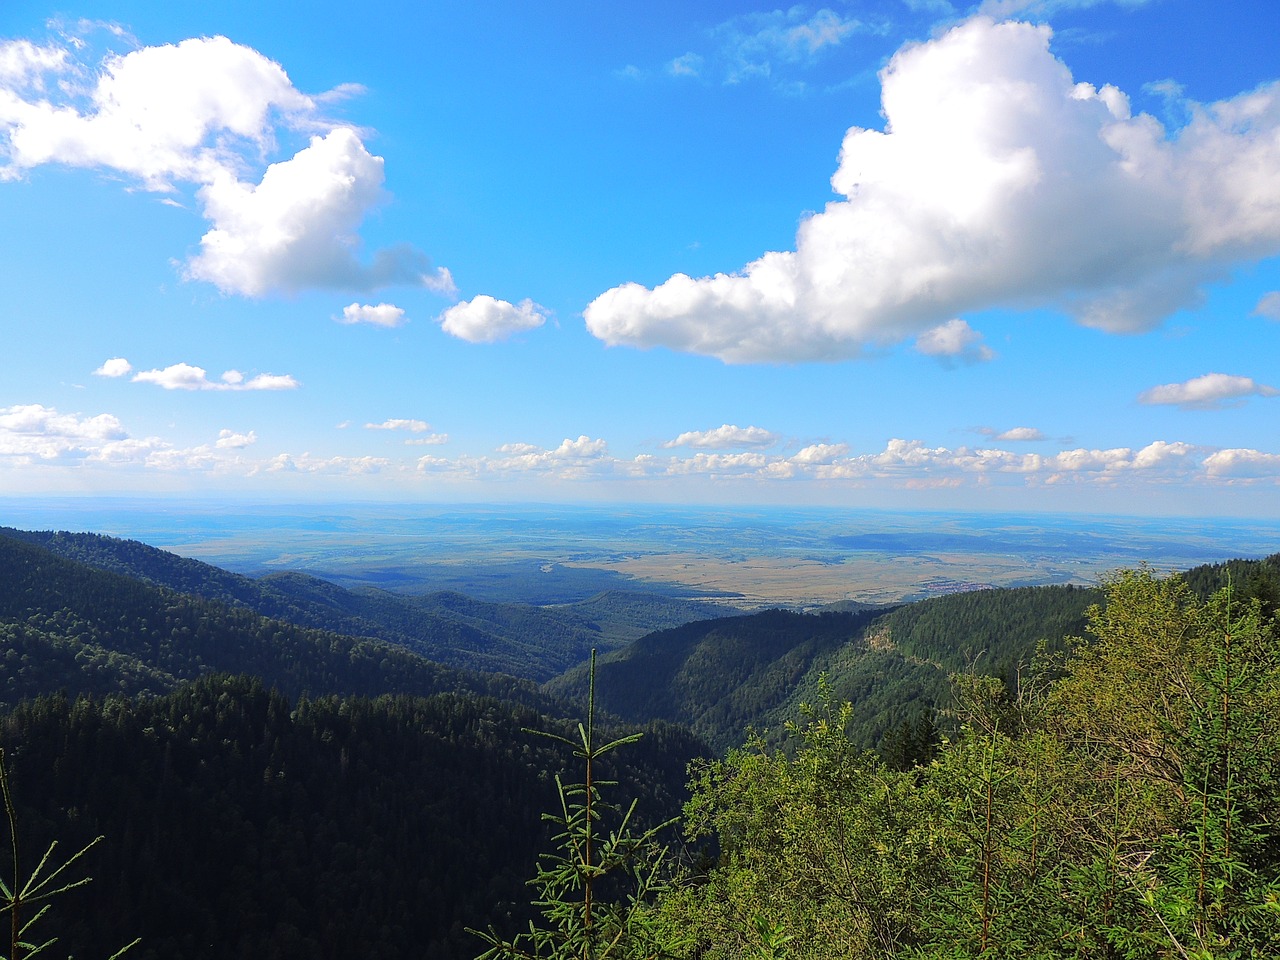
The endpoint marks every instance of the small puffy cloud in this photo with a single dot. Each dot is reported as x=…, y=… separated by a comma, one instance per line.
x=578, y=459
x=520, y=449
x=36, y=420
x=115, y=367
x=1269, y=306
x=820, y=453
x=1160, y=454
x=36, y=433
x=431, y=440
x=728, y=435
x=1209, y=392
x=206, y=112
x=1020, y=434
x=954, y=340
x=230, y=440
x=185, y=376
x=1243, y=464
x=530, y=455
x=997, y=180
x=413, y=426
x=582, y=448
x=484, y=319
x=382, y=315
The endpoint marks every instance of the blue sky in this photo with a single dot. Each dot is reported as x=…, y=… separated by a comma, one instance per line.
x=903, y=253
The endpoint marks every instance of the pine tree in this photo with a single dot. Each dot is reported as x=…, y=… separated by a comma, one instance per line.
x=578, y=922
x=21, y=891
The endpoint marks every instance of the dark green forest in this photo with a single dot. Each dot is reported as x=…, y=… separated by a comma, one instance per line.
x=240, y=823
x=533, y=642
x=1042, y=772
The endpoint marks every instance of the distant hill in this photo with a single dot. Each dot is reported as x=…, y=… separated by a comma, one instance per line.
x=724, y=676
x=524, y=641
x=718, y=677
x=71, y=627
x=1248, y=579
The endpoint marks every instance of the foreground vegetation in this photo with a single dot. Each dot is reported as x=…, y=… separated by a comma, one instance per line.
x=1119, y=802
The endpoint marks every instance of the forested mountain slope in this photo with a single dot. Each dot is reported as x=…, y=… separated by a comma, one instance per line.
x=1247, y=580
x=717, y=677
x=518, y=639
x=721, y=677
x=68, y=626
x=240, y=823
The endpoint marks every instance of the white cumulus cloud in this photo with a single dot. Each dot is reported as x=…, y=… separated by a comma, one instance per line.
x=230, y=440
x=997, y=180
x=1211, y=391
x=206, y=112
x=297, y=227
x=33, y=432
x=381, y=315
x=115, y=367
x=954, y=340
x=484, y=319
x=22, y=63
x=817, y=453
x=728, y=435
x=185, y=376
x=1020, y=434
x=1243, y=464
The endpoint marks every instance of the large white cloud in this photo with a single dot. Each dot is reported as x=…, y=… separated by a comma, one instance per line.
x=998, y=180
x=159, y=113
x=297, y=228
x=207, y=112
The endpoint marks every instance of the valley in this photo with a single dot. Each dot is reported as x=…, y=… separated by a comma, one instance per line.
x=752, y=558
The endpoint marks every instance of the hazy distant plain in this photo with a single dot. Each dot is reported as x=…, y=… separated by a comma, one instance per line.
x=749, y=557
